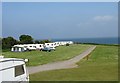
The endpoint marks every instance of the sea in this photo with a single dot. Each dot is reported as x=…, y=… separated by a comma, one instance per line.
x=91, y=40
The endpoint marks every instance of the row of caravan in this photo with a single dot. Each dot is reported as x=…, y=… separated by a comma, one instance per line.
x=25, y=47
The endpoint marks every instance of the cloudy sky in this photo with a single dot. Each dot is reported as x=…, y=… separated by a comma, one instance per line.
x=60, y=20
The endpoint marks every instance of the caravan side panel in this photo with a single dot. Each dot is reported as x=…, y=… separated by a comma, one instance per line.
x=7, y=74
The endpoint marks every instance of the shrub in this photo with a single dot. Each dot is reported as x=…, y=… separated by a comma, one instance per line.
x=67, y=44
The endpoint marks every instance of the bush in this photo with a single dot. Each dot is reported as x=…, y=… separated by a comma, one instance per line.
x=67, y=44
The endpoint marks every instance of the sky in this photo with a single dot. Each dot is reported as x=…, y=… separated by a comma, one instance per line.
x=51, y=20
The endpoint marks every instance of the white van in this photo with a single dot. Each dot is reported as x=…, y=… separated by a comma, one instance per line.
x=13, y=70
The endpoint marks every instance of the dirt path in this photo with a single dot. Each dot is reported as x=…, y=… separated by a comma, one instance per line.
x=71, y=63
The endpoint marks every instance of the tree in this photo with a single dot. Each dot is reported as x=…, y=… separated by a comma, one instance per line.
x=67, y=44
x=8, y=42
x=0, y=44
x=0, y=41
x=26, y=39
x=47, y=41
x=37, y=42
x=44, y=41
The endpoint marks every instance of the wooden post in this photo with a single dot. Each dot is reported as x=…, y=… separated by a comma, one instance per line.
x=87, y=57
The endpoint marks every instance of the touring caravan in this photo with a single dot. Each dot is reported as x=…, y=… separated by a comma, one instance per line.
x=39, y=46
x=25, y=47
x=18, y=48
x=56, y=44
x=13, y=70
x=64, y=42
x=49, y=45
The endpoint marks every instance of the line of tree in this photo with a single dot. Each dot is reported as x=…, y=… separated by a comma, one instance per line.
x=0, y=44
x=8, y=42
x=42, y=41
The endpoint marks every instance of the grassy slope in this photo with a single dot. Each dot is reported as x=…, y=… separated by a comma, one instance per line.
x=101, y=66
x=39, y=57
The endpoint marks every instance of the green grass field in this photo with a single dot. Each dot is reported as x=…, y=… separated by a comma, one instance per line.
x=101, y=66
x=39, y=57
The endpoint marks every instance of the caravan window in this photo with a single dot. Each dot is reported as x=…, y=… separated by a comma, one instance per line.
x=19, y=70
x=34, y=46
x=25, y=46
x=40, y=46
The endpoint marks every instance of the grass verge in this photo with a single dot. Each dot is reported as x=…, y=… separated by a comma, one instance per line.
x=101, y=66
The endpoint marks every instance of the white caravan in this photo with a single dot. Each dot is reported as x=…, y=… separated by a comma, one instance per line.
x=33, y=46
x=13, y=70
x=30, y=46
x=39, y=46
x=65, y=42
x=56, y=44
x=18, y=48
x=25, y=47
x=49, y=45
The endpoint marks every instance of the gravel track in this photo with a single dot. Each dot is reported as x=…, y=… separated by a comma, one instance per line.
x=71, y=63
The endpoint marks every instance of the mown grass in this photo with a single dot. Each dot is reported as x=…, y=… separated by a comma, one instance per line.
x=39, y=57
x=102, y=65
